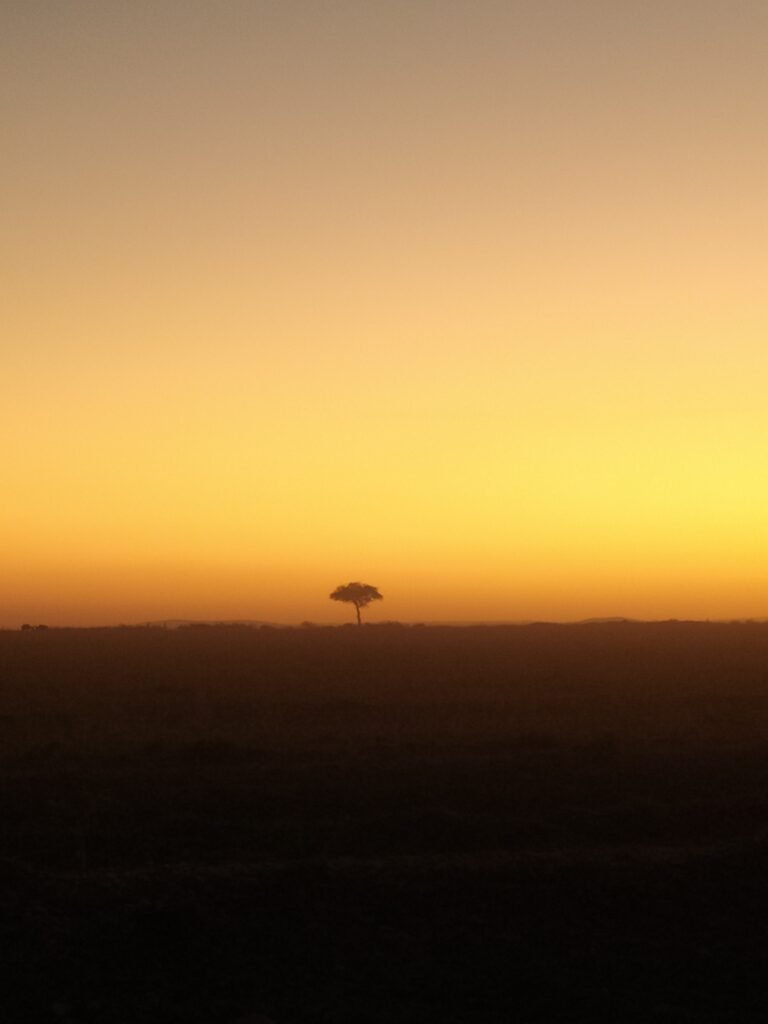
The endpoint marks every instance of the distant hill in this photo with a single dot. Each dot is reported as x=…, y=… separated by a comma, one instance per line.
x=607, y=618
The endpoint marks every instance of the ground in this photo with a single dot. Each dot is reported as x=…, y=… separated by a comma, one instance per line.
x=412, y=824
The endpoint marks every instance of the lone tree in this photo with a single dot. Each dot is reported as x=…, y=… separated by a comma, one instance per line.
x=358, y=594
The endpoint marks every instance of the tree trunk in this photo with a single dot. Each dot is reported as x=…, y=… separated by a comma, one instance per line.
x=357, y=609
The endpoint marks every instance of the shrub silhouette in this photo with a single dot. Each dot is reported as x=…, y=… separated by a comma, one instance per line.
x=358, y=594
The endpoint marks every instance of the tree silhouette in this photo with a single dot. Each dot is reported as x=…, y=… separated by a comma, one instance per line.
x=358, y=594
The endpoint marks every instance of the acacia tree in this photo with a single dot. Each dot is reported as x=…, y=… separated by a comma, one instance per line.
x=358, y=594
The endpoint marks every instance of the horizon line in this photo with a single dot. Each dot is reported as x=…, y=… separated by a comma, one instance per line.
x=174, y=623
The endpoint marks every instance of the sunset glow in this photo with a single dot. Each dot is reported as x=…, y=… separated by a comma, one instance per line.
x=464, y=300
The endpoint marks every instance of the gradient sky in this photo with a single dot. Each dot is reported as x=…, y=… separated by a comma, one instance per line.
x=468, y=300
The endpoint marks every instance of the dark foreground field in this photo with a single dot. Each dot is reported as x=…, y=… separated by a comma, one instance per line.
x=513, y=824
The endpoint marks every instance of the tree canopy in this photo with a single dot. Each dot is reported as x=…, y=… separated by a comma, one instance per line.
x=358, y=594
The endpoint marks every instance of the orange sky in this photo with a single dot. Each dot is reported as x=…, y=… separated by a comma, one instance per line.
x=467, y=300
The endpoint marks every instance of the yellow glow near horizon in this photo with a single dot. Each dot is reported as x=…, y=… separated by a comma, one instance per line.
x=463, y=300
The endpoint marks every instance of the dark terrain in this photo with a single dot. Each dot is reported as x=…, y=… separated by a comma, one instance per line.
x=490, y=824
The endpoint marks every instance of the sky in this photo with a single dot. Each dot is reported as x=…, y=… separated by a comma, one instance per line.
x=465, y=299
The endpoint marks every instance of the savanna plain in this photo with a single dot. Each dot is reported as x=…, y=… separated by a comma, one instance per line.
x=328, y=825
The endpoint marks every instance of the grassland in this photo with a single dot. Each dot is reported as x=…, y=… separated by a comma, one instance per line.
x=534, y=824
